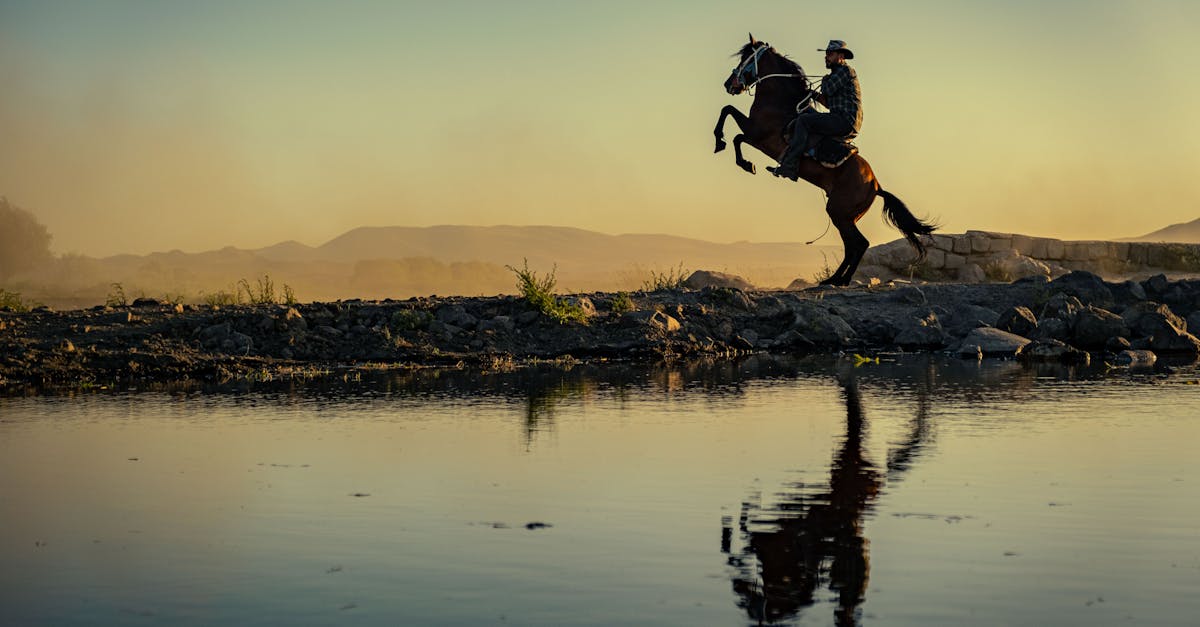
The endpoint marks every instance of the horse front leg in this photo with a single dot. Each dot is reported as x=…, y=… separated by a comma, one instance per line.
x=719, y=131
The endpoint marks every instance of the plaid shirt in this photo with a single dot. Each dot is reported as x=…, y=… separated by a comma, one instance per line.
x=843, y=95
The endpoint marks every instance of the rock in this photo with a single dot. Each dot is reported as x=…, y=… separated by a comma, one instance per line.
x=1156, y=285
x=329, y=331
x=1052, y=329
x=1128, y=292
x=908, y=294
x=178, y=308
x=1095, y=326
x=527, y=318
x=970, y=351
x=1147, y=319
x=750, y=335
x=66, y=346
x=294, y=321
x=1053, y=351
x=213, y=335
x=1062, y=306
x=502, y=324
x=799, y=284
x=1117, y=344
x=1015, y=266
x=921, y=333
x=237, y=343
x=655, y=320
x=993, y=342
x=1136, y=358
x=963, y=317
x=701, y=279
x=823, y=328
x=972, y=273
x=584, y=303
x=457, y=315
x=1085, y=286
x=146, y=302
x=1193, y=321
x=1019, y=320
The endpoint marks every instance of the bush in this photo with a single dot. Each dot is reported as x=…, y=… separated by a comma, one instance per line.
x=539, y=292
x=670, y=279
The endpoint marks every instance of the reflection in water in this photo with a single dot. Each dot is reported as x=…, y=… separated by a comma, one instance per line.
x=815, y=536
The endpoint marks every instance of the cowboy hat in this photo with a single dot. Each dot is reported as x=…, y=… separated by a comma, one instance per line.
x=837, y=45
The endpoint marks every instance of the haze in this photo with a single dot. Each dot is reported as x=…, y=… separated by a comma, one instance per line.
x=131, y=127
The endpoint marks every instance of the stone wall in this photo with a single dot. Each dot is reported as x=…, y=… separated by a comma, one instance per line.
x=978, y=256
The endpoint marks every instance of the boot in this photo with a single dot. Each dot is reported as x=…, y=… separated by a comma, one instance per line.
x=788, y=168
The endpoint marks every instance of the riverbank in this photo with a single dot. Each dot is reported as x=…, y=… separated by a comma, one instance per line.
x=1075, y=318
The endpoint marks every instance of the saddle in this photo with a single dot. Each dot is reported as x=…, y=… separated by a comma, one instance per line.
x=830, y=152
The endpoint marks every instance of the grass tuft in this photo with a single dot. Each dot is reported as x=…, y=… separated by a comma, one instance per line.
x=669, y=279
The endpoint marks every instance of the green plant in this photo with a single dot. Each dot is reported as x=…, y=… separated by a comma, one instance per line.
x=995, y=271
x=12, y=301
x=221, y=297
x=173, y=299
x=824, y=272
x=539, y=292
x=116, y=296
x=622, y=303
x=410, y=320
x=289, y=296
x=669, y=279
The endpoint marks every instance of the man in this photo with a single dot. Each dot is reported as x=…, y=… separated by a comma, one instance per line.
x=840, y=94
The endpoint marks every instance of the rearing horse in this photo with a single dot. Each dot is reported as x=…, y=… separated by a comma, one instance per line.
x=780, y=85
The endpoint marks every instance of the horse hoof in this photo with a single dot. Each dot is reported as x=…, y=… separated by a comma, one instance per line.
x=747, y=166
x=720, y=145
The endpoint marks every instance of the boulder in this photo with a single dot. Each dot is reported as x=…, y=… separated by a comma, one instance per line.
x=1085, y=286
x=455, y=315
x=822, y=327
x=1062, y=306
x=1136, y=358
x=972, y=273
x=1015, y=266
x=1052, y=329
x=799, y=284
x=964, y=316
x=921, y=333
x=1147, y=318
x=1019, y=320
x=1094, y=327
x=701, y=279
x=1156, y=285
x=1053, y=351
x=993, y=342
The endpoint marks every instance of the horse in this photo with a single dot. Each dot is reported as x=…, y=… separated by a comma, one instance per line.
x=779, y=86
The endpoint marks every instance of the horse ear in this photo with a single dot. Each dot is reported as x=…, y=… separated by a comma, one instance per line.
x=752, y=39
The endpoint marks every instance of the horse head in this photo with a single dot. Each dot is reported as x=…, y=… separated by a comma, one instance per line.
x=758, y=60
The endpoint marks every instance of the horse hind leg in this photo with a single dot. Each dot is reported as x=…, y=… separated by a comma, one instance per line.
x=854, y=245
x=737, y=150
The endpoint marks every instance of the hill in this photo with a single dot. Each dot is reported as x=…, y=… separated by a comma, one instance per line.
x=1186, y=233
x=399, y=262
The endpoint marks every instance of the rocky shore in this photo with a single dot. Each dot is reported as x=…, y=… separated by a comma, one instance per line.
x=1076, y=318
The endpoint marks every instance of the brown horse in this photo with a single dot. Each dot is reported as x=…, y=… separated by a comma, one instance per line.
x=780, y=85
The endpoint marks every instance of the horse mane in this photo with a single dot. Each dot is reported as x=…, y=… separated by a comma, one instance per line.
x=792, y=67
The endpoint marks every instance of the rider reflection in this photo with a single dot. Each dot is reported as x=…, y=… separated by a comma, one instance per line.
x=817, y=537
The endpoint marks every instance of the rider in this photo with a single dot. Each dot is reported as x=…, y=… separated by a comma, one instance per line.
x=840, y=94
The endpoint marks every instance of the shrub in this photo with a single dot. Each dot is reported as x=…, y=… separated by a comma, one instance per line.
x=669, y=279
x=12, y=301
x=622, y=303
x=116, y=296
x=410, y=320
x=539, y=292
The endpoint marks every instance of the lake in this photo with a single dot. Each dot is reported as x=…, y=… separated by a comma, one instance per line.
x=914, y=491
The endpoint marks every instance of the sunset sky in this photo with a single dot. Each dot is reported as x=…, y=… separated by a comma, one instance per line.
x=155, y=125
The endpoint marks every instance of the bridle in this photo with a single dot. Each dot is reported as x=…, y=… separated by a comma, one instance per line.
x=750, y=64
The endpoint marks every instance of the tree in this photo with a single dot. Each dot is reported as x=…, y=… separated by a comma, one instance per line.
x=24, y=242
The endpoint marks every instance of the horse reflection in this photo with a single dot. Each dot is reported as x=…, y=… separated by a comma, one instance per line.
x=817, y=537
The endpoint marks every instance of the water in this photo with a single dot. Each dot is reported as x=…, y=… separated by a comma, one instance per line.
x=797, y=492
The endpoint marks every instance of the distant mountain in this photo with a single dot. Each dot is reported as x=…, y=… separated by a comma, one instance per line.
x=397, y=262
x=574, y=251
x=1186, y=233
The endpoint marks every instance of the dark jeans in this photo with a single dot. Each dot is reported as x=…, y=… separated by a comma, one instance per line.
x=807, y=124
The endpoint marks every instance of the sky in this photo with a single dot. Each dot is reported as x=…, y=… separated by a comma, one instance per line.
x=140, y=126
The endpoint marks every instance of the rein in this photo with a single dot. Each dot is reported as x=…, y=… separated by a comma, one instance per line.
x=753, y=59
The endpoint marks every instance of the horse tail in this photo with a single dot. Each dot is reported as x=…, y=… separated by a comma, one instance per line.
x=898, y=215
